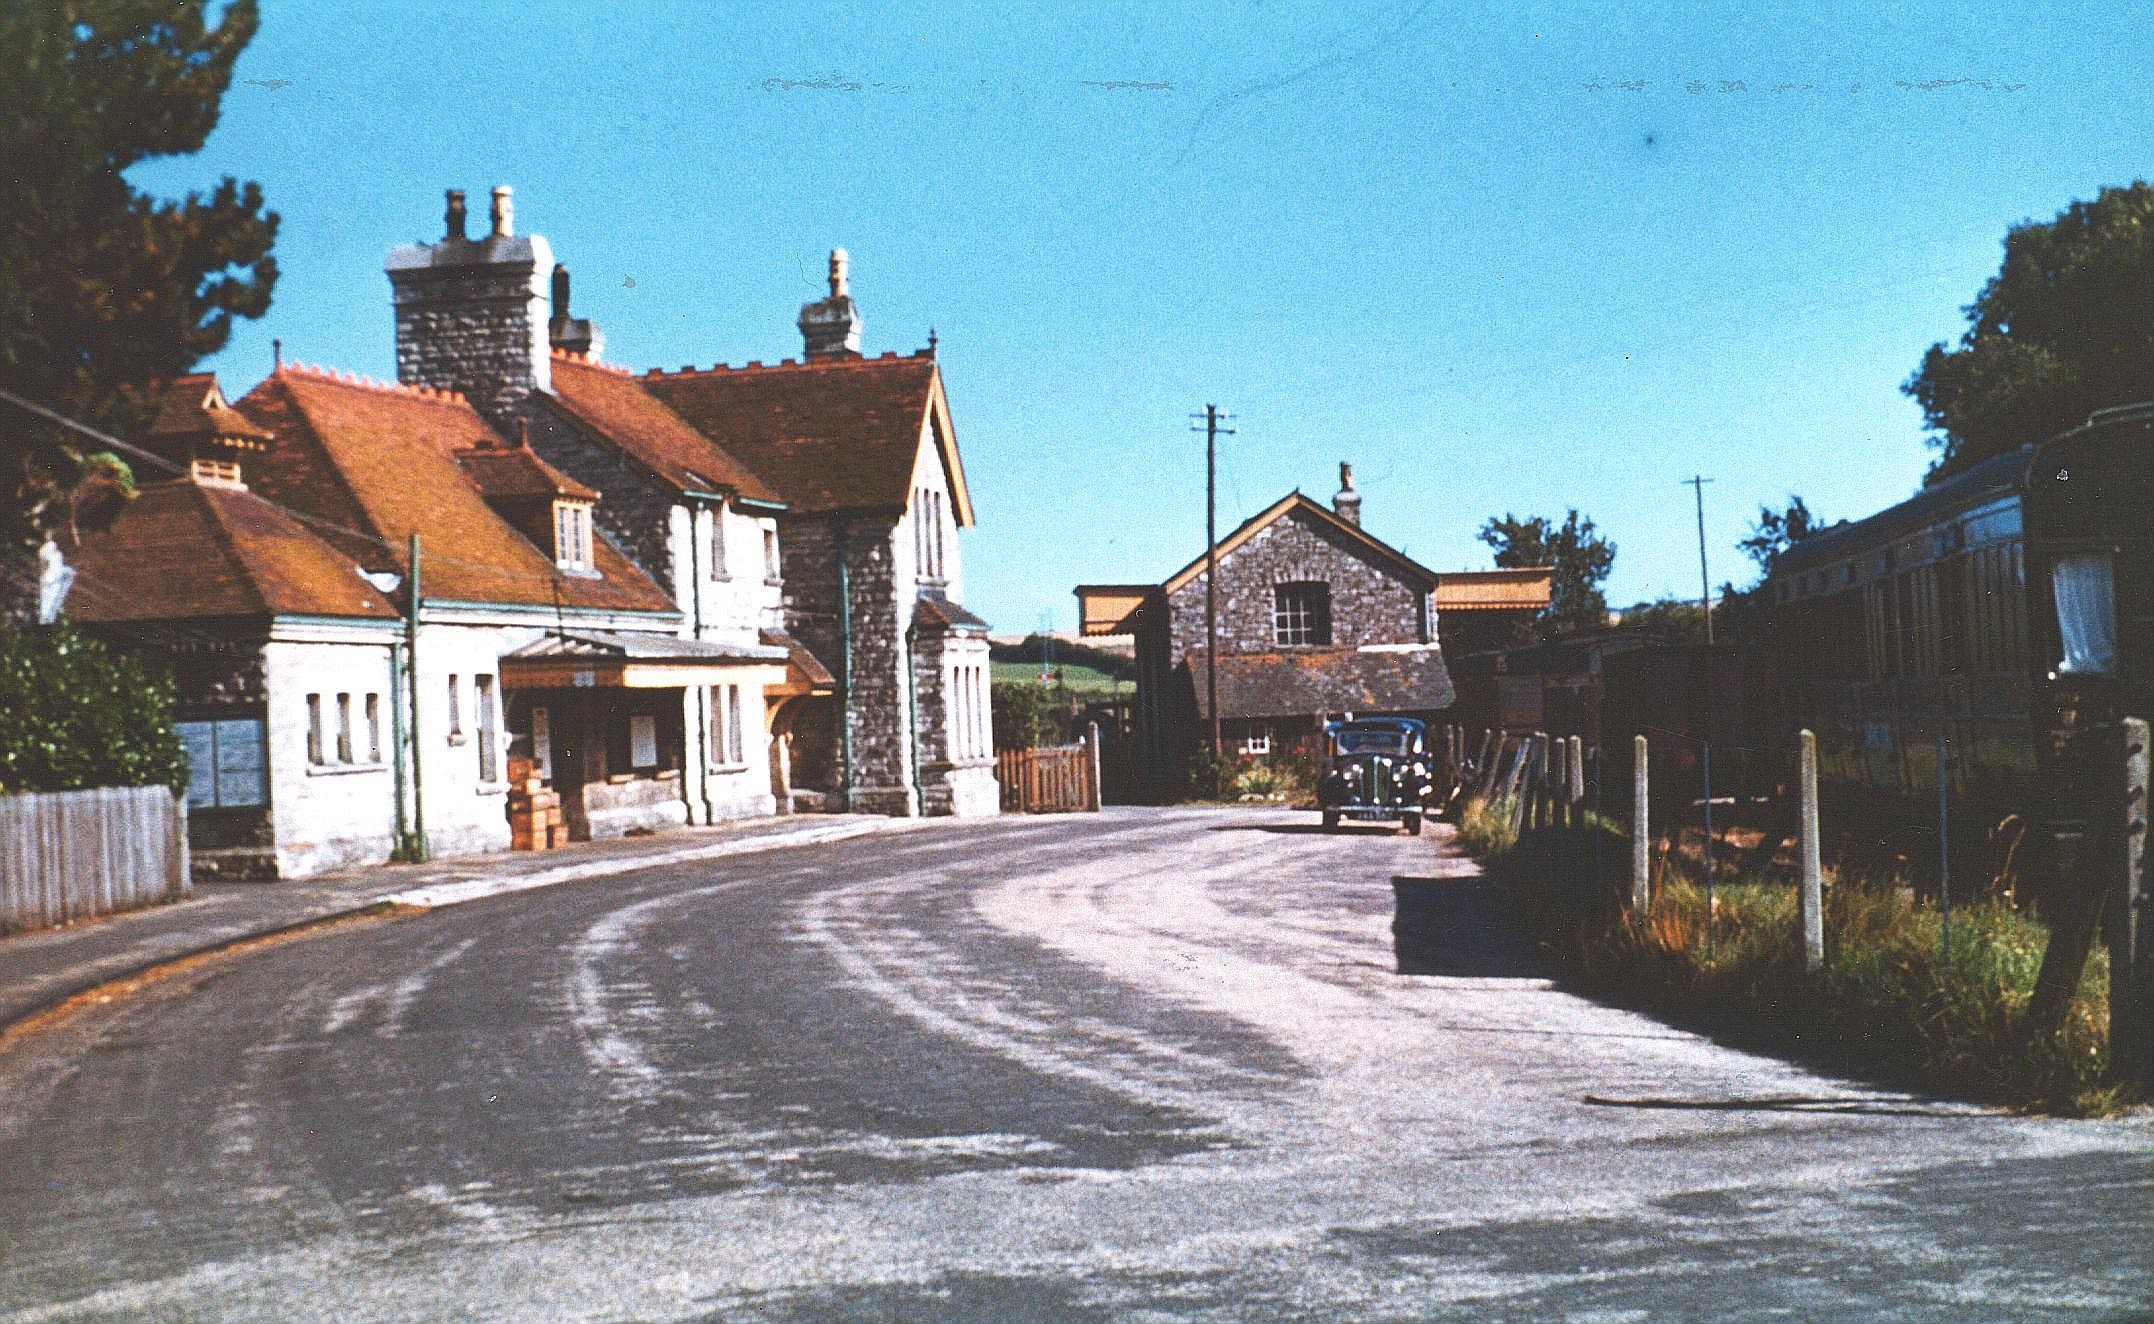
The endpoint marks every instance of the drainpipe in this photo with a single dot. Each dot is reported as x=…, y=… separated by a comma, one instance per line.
x=396, y=746
x=912, y=719
x=845, y=680
x=703, y=705
x=417, y=852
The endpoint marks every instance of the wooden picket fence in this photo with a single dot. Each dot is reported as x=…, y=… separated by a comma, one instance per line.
x=72, y=855
x=1051, y=780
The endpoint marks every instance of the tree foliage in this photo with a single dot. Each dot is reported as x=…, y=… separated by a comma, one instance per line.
x=1579, y=556
x=2065, y=327
x=1777, y=530
x=101, y=285
x=76, y=714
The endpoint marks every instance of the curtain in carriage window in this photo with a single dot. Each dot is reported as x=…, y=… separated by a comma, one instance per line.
x=2086, y=613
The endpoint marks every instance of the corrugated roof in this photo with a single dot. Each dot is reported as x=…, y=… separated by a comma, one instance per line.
x=829, y=434
x=616, y=406
x=1333, y=680
x=1494, y=590
x=181, y=551
x=381, y=461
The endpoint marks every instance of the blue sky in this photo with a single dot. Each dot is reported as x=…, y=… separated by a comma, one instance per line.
x=1514, y=258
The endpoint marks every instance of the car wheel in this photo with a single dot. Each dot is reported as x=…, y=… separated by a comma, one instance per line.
x=1412, y=823
x=1331, y=820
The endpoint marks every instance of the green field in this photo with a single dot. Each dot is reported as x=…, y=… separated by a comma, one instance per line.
x=1077, y=679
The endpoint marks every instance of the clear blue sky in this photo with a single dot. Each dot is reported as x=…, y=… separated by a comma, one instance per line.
x=1508, y=258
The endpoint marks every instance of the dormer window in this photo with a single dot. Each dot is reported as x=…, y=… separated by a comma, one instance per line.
x=214, y=473
x=572, y=535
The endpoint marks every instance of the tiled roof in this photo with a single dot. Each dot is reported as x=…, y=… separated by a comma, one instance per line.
x=194, y=406
x=812, y=674
x=616, y=406
x=515, y=473
x=380, y=462
x=181, y=550
x=938, y=612
x=829, y=434
x=1333, y=680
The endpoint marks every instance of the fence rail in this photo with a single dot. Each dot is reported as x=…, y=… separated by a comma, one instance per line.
x=1050, y=780
x=72, y=855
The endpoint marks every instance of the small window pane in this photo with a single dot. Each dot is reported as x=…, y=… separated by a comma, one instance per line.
x=643, y=741
x=2086, y=614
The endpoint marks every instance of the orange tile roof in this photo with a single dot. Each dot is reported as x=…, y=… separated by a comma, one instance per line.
x=194, y=405
x=616, y=406
x=829, y=434
x=380, y=461
x=181, y=550
x=515, y=473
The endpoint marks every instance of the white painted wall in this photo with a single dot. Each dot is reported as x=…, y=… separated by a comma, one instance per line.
x=335, y=814
x=749, y=596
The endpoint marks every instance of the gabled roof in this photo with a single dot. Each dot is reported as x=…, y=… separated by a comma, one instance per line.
x=937, y=612
x=515, y=473
x=615, y=406
x=378, y=463
x=182, y=550
x=1304, y=682
x=1295, y=503
x=194, y=406
x=829, y=434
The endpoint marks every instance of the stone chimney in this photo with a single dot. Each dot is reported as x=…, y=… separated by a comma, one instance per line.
x=577, y=335
x=471, y=314
x=1347, y=504
x=831, y=327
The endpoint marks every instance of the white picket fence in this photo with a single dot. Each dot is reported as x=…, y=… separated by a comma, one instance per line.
x=70, y=855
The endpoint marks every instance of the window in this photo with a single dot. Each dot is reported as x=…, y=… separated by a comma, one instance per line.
x=489, y=770
x=643, y=741
x=373, y=728
x=734, y=744
x=314, y=730
x=1301, y=614
x=542, y=742
x=927, y=533
x=718, y=563
x=344, y=728
x=226, y=767
x=456, y=711
x=770, y=556
x=1256, y=740
x=572, y=535
x=2086, y=613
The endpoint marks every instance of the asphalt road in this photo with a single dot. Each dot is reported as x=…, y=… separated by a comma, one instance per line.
x=1152, y=1065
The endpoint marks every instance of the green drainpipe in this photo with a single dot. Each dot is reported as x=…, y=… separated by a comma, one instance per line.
x=396, y=748
x=912, y=718
x=845, y=681
x=417, y=853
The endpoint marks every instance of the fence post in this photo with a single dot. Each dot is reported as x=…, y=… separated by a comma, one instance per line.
x=1641, y=836
x=1091, y=745
x=1813, y=879
x=1574, y=794
x=2130, y=926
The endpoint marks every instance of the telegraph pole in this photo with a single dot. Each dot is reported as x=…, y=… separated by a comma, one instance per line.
x=1212, y=431
x=1696, y=483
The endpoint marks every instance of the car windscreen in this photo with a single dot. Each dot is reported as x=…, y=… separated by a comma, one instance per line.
x=1375, y=741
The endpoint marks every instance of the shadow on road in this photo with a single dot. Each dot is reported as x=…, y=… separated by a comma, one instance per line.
x=1782, y=1104
x=1309, y=829
x=1448, y=926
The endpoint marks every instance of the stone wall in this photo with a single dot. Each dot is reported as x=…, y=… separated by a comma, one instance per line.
x=1370, y=602
x=471, y=316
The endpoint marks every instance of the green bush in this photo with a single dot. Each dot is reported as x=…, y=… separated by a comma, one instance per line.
x=1484, y=828
x=1890, y=1000
x=75, y=714
x=1029, y=715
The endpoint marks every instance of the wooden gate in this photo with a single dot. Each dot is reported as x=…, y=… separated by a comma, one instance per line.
x=1053, y=780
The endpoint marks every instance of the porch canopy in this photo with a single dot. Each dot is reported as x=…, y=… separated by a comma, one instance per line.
x=614, y=659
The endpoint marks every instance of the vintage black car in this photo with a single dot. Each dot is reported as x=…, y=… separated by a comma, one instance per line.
x=1375, y=769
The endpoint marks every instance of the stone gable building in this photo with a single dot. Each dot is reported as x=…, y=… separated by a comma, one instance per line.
x=1317, y=618
x=806, y=507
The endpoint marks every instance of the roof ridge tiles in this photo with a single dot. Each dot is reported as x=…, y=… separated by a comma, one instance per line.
x=339, y=377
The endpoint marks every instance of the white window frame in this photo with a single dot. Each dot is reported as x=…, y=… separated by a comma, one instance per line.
x=572, y=535
x=482, y=711
x=1256, y=739
x=1294, y=622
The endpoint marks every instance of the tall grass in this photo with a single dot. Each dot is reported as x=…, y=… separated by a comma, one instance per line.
x=1890, y=1001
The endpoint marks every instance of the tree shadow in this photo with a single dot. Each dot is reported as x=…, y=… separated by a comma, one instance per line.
x=1448, y=926
x=1287, y=829
x=1785, y=1103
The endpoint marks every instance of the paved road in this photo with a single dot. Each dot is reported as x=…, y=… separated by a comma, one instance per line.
x=1144, y=1065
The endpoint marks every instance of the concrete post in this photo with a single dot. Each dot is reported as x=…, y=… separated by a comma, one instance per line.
x=2130, y=926
x=1574, y=794
x=1641, y=835
x=1813, y=881
x=1091, y=746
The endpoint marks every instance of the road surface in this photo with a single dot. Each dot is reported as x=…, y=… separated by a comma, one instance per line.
x=1155, y=1065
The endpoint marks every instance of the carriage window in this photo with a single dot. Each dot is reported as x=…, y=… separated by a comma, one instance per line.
x=2086, y=613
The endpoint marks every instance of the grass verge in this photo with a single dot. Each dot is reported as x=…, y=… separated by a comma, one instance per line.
x=1890, y=1003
